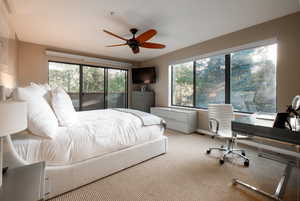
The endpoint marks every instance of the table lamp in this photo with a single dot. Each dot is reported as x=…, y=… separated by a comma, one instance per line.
x=13, y=119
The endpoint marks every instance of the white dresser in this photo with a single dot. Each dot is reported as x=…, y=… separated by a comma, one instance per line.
x=177, y=119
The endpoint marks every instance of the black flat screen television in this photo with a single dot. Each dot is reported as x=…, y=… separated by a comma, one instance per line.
x=143, y=75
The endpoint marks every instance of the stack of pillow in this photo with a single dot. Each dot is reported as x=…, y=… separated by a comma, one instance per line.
x=47, y=108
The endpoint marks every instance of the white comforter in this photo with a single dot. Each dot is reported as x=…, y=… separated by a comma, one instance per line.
x=98, y=132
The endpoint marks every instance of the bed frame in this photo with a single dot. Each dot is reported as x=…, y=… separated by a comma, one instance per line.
x=61, y=179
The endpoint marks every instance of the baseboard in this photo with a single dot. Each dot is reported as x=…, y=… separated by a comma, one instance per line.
x=203, y=131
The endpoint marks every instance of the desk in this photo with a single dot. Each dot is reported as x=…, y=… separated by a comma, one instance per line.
x=250, y=127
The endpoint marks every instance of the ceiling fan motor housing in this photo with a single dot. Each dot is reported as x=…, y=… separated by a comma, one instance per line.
x=133, y=44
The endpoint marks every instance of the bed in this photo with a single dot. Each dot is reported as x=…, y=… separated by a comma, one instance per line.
x=103, y=142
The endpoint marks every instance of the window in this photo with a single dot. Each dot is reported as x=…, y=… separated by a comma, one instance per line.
x=93, y=83
x=245, y=78
x=210, y=81
x=67, y=77
x=117, y=87
x=182, y=76
x=90, y=87
x=253, y=79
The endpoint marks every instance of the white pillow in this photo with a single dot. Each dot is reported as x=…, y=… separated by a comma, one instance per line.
x=45, y=86
x=63, y=107
x=41, y=119
x=46, y=90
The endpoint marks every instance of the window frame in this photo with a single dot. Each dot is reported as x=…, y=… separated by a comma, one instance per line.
x=227, y=55
x=81, y=66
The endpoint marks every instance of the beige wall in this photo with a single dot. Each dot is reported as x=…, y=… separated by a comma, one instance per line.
x=33, y=63
x=285, y=29
x=8, y=51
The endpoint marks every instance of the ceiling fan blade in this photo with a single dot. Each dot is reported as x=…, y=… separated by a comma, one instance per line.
x=116, y=45
x=110, y=33
x=146, y=35
x=152, y=45
x=135, y=50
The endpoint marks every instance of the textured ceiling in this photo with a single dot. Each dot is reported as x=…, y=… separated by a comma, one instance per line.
x=78, y=24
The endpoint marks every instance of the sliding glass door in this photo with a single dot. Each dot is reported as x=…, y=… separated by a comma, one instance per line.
x=91, y=87
x=116, y=88
x=66, y=76
x=93, y=84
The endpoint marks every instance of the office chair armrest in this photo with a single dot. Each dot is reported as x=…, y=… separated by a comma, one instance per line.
x=211, y=127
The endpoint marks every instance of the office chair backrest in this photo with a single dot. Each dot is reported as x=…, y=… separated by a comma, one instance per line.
x=223, y=113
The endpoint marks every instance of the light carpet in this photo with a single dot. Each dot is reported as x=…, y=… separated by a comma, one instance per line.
x=186, y=173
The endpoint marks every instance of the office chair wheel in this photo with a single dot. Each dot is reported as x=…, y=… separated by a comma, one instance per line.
x=246, y=163
x=208, y=151
x=243, y=153
x=221, y=161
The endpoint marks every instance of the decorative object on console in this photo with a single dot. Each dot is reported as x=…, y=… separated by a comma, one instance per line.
x=13, y=119
x=145, y=86
x=177, y=119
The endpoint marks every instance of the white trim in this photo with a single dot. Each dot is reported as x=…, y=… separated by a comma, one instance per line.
x=228, y=50
x=105, y=62
x=206, y=110
x=169, y=85
x=203, y=131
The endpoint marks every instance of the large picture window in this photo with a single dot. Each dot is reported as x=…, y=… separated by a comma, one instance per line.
x=210, y=81
x=244, y=78
x=253, y=79
x=91, y=87
x=182, y=76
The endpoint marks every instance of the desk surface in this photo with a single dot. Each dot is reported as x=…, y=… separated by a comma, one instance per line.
x=264, y=129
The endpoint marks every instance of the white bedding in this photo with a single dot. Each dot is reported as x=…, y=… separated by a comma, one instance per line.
x=97, y=132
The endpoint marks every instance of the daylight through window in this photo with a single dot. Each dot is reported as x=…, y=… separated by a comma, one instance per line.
x=245, y=78
x=91, y=87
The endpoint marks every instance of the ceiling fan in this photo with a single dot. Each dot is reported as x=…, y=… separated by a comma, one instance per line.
x=135, y=42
